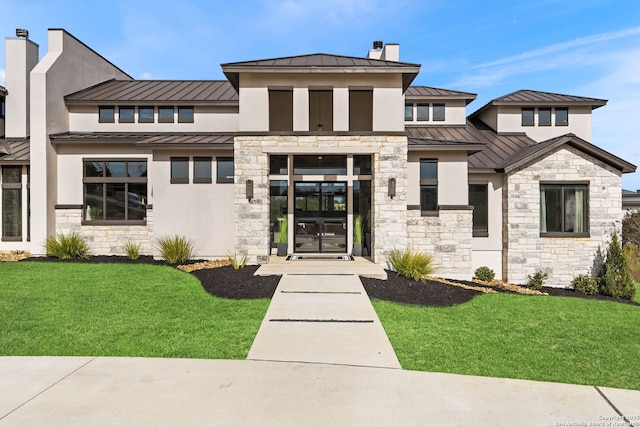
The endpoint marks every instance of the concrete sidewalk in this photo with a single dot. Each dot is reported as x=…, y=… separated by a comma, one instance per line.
x=84, y=391
x=323, y=319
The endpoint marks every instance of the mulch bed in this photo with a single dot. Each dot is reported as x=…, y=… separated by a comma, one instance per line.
x=227, y=282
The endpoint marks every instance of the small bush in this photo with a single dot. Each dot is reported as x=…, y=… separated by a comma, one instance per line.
x=237, y=263
x=284, y=230
x=175, y=249
x=357, y=229
x=632, y=256
x=616, y=280
x=484, y=273
x=537, y=280
x=67, y=246
x=414, y=265
x=132, y=249
x=585, y=284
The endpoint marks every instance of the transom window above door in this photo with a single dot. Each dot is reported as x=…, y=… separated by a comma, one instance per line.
x=320, y=164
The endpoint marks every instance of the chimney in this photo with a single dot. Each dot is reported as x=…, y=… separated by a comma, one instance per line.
x=21, y=55
x=388, y=52
x=376, y=52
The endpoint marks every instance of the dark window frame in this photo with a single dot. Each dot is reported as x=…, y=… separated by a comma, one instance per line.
x=173, y=177
x=188, y=118
x=132, y=119
x=12, y=186
x=546, y=117
x=428, y=183
x=105, y=180
x=480, y=230
x=423, y=107
x=110, y=118
x=223, y=180
x=524, y=122
x=146, y=119
x=437, y=117
x=198, y=179
x=563, y=186
x=408, y=107
x=562, y=123
x=166, y=119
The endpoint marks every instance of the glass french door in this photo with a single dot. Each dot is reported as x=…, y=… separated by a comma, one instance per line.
x=320, y=217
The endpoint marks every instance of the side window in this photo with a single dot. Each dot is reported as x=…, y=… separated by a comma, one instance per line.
x=479, y=199
x=224, y=169
x=562, y=117
x=408, y=112
x=438, y=112
x=544, y=116
x=165, y=114
x=202, y=170
x=428, y=186
x=179, y=170
x=185, y=114
x=423, y=112
x=527, y=116
x=106, y=114
x=145, y=114
x=126, y=114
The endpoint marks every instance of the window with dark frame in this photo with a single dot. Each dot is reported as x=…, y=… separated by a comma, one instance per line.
x=544, y=116
x=179, y=170
x=278, y=164
x=202, y=170
x=165, y=115
x=562, y=116
x=280, y=110
x=428, y=186
x=362, y=164
x=126, y=114
x=528, y=116
x=564, y=209
x=224, y=169
x=145, y=115
x=115, y=191
x=479, y=199
x=423, y=112
x=185, y=114
x=11, y=203
x=106, y=114
x=438, y=112
x=408, y=112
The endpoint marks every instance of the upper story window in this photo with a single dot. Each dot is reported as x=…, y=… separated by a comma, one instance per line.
x=106, y=114
x=360, y=110
x=423, y=112
x=438, y=112
x=145, y=114
x=544, y=116
x=165, y=114
x=564, y=210
x=280, y=110
x=528, y=116
x=179, y=170
x=224, y=169
x=115, y=190
x=562, y=116
x=320, y=110
x=479, y=199
x=408, y=112
x=428, y=185
x=185, y=114
x=126, y=114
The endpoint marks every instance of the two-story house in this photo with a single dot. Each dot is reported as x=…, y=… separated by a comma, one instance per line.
x=317, y=139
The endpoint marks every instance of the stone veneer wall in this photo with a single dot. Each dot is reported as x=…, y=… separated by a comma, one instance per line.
x=106, y=239
x=251, y=161
x=446, y=237
x=525, y=252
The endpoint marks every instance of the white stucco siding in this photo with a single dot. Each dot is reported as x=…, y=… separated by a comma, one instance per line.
x=510, y=120
x=487, y=251
x=388, y=113
x=453, y=186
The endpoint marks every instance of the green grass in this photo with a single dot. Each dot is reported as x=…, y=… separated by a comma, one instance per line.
x=637, y=298
x=568, y=340
x=64, y=309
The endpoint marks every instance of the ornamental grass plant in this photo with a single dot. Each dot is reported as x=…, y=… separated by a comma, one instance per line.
x=67, y=246
x=175, y=249
x=414, y=265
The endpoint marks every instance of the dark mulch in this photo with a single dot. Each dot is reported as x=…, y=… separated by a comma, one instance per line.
x=226, y=282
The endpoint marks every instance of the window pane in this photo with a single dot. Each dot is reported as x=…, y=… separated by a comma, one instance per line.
x=225, y=169
x=550, y=208
x=277, y=206
x=116, y=198
x=12, y=212
x=527, y=117
x=106, y=114
x=575, y=208
x=278, y=164
x=116, y=169
x=93, y=202
x=428, y=197
x=544, y=116
x=12, y=174
x=145, y=114
x=202, y=168
x=185, y=114
x=362, y=164
x=478, y=198
x=408, y=112
x=423, y=112
x=320, y=165
x=562, y=116
x=137, y=169
x=126, y=114
x=136, y=202
x=165, y=114
x=428, y=169
x=180, y=169
x=438, y=112
x=362, y=202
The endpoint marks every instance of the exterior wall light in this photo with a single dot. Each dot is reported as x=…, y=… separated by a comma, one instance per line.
x=392, y=187
x=249, y=189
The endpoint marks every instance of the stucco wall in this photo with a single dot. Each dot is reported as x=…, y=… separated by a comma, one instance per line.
x=487, y=251
x=453, y=188
x=510, y=120
x=455, y=112
x=525, y=251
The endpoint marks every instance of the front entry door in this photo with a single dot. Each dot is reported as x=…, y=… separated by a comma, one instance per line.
x=320, y=217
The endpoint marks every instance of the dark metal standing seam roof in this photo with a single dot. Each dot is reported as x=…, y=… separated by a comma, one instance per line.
x=156, y=91
x=14, y=150
x=434, y=92
x=147, y=139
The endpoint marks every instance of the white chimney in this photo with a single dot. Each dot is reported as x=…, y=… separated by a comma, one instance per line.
x=21, y=55
x=385, y=52
x=376, y=52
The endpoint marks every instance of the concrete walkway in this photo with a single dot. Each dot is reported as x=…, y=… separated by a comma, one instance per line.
x=323, y=319
x=84, y=391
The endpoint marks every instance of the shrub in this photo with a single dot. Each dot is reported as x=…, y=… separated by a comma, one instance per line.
x=67, y=246
x=631, y=228
x=175, y=249
x=357, y=229
x=131, y=248
x=616, y=280
x=237, y=263
x=484, y=273
x=585, y=284
x=632, y=256
x=413, y=265
x=537, y=280
x=284, y=230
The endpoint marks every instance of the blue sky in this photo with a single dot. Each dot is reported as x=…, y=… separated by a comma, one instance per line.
x=580, y=47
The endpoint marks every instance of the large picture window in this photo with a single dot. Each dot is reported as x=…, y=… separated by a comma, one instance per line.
x=12, y=203
x=428, y=186
x=115, y=191
x=564, y=209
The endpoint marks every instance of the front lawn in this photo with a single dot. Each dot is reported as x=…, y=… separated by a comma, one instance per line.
x=544, y=338
x=65, y=309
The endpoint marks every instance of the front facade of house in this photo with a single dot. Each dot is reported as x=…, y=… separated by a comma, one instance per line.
x=318, y=140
